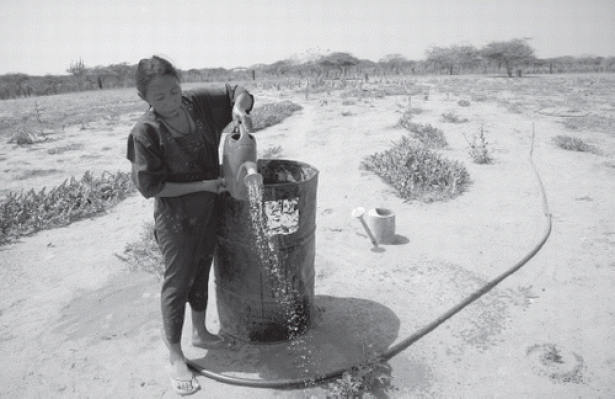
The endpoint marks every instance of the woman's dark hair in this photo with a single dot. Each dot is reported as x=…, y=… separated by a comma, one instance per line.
x=149, y=68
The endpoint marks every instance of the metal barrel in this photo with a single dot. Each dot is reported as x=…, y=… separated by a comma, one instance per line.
x=265, y=282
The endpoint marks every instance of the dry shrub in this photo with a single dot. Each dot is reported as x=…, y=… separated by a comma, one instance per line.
x=62, y=149
x=270, y=114
x=451, y=117
x=596, y=123
x=23, y=137
x=573, y=144
x=144, y=254
x=479, y=98
x=479, y=148
x=28, y=174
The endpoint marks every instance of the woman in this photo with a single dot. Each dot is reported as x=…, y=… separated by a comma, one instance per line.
x=173, y=149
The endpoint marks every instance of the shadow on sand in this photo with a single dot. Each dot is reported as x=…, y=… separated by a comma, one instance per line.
x=344, y=332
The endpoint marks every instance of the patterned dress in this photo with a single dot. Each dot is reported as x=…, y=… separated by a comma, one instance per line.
x=185, y=226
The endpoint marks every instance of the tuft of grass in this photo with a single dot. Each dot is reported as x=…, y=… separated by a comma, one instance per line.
x=36, y=172
x=430, y=136
x=272, y=153
x=479, y=148
x=144, y=254
x=451, y=117
x=25, y=213
x=418, y=173
x=64, y=148
x=363, y=381
x=513, y=107
x=597, y=123
x=23, y=136
x=573, y=144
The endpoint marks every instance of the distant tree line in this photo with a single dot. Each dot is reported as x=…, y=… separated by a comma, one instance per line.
x=515, y=58
x=81, y=78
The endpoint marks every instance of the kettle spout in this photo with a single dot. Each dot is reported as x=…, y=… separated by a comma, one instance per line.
x=251, y=173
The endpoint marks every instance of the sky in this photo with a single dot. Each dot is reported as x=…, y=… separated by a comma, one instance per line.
x=39, y=37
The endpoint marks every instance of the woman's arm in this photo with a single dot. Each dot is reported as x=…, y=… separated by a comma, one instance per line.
x=222, y=105
x=172, y=189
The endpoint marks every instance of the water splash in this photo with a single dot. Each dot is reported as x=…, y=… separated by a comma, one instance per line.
x=288, y=296
x=269, y=255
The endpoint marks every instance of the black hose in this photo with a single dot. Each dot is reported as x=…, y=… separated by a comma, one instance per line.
x=404, y=344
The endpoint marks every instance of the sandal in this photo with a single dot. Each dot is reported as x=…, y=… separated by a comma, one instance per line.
x=185, y=387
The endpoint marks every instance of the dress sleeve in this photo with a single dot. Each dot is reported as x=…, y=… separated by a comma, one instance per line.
x=217, y=104
x=149, y=173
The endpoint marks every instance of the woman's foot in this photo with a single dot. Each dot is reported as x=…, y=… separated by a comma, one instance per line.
x=202, y=338
x=182, y=379
x=206, y=340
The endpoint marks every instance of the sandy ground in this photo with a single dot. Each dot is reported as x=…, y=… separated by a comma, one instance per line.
x=75, y=323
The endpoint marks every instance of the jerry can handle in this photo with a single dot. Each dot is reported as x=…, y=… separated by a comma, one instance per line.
x=242, y=128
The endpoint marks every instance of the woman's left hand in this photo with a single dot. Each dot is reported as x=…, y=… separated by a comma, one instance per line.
x=240, y=116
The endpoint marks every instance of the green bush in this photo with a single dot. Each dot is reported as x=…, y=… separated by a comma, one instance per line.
x=25, y=213
x=418, y=173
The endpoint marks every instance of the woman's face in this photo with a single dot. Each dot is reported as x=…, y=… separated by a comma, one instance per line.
x=164, y=94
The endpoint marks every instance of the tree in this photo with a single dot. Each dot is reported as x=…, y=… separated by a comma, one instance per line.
x=15, y=85
x=395, y=63
x=278, y=68
x=466, y=56
x=442, y=56
x=456, y=56
x=341, y=61
x=78, y=68
x=512, y=54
